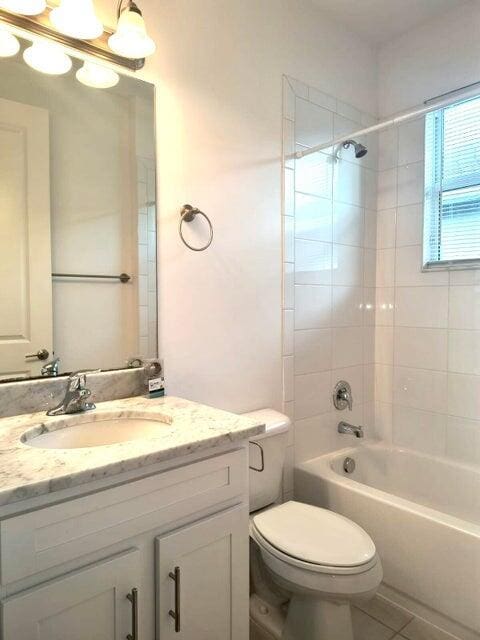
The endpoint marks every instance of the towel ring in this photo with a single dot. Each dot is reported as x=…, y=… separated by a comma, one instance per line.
x=187, y=214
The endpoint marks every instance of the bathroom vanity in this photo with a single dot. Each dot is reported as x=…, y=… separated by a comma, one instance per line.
x=139, y=539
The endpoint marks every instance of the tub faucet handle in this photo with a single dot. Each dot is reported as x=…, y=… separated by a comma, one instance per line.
x=342, y=396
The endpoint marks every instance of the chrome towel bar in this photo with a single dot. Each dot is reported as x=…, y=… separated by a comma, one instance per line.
x=123, y=277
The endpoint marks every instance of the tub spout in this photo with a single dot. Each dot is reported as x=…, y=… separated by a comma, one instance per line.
x=344, y=427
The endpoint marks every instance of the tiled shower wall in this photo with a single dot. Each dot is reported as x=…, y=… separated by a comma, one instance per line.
x=428, y=323
x=357, y=305
x=329, y=226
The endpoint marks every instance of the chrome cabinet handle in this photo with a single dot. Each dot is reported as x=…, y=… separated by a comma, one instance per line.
x=175, y=614
x=133, y=597
x=41, y=354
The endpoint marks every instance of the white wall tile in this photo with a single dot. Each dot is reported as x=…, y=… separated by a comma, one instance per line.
x=384, y=383
x=289, y=192
x=348, y=224
x=288, y=100
x=348, y=111
x=348, y=183
x=464, y=351
x=288, y=239
x=313, y=174
x=463, y=440
x=347, y=266
x=387, y=189
x=369, y=301
x=313, y=124
x=313, y=306
x=385, y=275
x=288, y=378
x=313, y=217
x=421, y=348
x=312, y=394
x=420, y=389
x=313, y=350
x=347, y=347
x=464, y=396
x=368, y=345
x=385, y=305
x=313, y=262
x=287, y=331
x=348, y=303
x=384, y=345
x=369, y=267
x=370, y=229
x=370, y=181
x=288, y=143
x=411, y=141
x=387, y=149
x=383, y=429
x=464, y=309
x=386, y=228
x=419, y=430
x=314, y=436
x=408, y=269
x=421, y=307
x=288, y=285
x=410, y=225
x=410, y=184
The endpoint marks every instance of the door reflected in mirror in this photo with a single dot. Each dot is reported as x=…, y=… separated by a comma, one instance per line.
x=78, y=232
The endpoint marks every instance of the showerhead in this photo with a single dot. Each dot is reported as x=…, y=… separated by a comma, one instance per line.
x=360, y=149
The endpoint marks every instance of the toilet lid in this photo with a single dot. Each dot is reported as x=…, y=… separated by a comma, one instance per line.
x=315, y=535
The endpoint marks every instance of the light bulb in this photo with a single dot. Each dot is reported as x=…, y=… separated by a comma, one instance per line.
x=9, y=45
x=25, y=7
x=94, y=75
x=47, y=58
x=77, y=19
x=131, y=39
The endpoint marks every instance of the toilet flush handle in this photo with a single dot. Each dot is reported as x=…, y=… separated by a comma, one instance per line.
x=262, y=458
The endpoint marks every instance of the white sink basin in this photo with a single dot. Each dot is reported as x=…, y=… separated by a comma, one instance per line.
x=95, y=430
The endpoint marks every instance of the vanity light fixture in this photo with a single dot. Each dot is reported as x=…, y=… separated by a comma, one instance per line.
x=48, y=58
x=9, y=45
x=77, y=19
x=24, y=7
x=97, y=76
x=131, y=39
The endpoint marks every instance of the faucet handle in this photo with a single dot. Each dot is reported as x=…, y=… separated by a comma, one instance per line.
x=342, y=396
x=78, y=379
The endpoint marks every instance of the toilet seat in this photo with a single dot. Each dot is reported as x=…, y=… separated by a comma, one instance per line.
x=314, y=539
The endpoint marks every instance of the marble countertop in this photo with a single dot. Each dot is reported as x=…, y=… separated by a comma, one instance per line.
x=185, y=427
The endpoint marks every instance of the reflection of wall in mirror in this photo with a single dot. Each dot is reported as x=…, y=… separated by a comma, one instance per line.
x=96, y=140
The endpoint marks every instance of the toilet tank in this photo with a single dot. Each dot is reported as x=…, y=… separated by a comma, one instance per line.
x=266, y=486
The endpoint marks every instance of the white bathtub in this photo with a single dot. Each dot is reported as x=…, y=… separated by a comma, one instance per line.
x=423, y=514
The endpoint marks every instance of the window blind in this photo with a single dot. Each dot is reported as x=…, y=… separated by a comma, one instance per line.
x=452, y=185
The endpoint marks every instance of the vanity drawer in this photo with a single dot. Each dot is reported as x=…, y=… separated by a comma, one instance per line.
x=48, y=537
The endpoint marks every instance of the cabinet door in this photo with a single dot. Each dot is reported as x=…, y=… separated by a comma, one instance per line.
x=211, y=598
x=89, y=604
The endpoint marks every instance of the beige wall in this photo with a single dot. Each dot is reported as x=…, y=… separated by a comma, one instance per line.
x=218, y=73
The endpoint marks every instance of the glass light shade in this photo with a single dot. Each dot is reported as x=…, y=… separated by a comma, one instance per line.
x=25, y=7
x=77, y=19
x=131, y=39
x=48, y=58
x=94, y=75
x=9, y=45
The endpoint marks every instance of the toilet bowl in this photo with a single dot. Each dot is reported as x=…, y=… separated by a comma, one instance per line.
x=319, y=559
x=325, y=562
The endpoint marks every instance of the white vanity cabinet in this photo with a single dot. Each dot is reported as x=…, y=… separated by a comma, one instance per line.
x=98, y=567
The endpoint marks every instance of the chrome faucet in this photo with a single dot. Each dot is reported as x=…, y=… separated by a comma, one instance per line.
x=76, y=395
x=344, y=427
x=51, y=368
x=342, y=396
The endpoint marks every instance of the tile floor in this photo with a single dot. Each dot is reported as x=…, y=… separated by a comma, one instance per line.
x=380, y=620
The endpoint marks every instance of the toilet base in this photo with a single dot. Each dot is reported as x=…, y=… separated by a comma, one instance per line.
x=312, y=619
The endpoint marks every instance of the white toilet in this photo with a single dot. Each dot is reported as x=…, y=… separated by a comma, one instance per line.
x=322, y=560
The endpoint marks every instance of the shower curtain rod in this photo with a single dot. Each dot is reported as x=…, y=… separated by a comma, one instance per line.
x=392, y=122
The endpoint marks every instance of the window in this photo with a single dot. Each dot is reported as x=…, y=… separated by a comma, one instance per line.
x=452, y=186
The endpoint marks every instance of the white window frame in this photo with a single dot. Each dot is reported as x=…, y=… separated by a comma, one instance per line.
x=433, y=190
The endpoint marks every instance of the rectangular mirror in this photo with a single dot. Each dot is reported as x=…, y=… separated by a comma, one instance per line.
x=78, y=221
